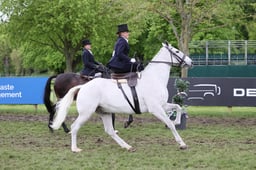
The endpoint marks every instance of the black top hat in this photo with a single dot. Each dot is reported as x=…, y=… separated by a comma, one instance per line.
x=86, y=42
x=122, y=28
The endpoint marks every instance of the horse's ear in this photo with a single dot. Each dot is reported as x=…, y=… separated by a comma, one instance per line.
x=166, y=42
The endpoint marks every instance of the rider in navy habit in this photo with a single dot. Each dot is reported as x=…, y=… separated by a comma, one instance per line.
x=90, y=65
x=120, y=61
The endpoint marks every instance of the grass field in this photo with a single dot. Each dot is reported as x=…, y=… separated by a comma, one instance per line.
x=217, y=137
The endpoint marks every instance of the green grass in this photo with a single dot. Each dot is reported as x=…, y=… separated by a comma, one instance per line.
x=29, y=145
x=28, y=109
x=217, y=111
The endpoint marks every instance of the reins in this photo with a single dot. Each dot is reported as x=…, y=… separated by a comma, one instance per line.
x=180, y=60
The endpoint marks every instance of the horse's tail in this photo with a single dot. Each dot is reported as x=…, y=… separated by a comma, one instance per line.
x=47, y=92
x=63, y=106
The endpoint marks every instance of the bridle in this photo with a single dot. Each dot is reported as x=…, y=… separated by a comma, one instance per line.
x=180, y=60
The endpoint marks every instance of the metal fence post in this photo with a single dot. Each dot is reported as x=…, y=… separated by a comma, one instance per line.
x=206, y=53
x=229, y=52
x=245, y=51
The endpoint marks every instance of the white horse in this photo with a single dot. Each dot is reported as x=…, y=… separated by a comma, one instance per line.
x=107, y=97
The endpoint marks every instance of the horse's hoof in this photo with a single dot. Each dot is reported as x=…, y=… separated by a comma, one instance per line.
x=51, y=130
x=126, y=125
x=183, y=147
x=67, y=131
x=77, y=150
x=132, y=149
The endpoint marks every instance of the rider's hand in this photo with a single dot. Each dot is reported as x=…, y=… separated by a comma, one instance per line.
x=100, y=67
x=133, y=60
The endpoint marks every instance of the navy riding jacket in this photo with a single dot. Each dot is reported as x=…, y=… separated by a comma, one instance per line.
x=90, y=65
x=120, y=59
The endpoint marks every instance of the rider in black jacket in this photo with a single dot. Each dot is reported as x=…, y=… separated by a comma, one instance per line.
x=120, y=61
x=90, y=65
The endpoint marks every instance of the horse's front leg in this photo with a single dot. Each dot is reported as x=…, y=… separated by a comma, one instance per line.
x=159, y=112
x=169, y=107
x=108, y=126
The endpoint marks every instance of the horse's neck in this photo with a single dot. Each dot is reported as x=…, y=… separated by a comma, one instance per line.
x=159, y=71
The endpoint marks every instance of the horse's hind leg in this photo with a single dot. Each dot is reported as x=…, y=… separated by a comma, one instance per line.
x=128, y=122
x=65, y=128
x=107, y=121
x=81, y=119
x=113, y=119
x=51, y=116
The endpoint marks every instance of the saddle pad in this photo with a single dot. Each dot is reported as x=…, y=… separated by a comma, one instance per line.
x=130, y=78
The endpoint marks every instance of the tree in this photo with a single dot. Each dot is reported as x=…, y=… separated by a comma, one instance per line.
x=53, y=25
x=183, y=20
x=247, y=25
x=5, y=51
x=45, y=31
x=188, y=17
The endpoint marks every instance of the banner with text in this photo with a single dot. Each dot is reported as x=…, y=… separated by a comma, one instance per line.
x=22, y=90
x=218, y=91
x=201, y=92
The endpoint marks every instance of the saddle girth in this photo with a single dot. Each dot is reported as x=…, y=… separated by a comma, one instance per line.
x=136, y=109
x=131, y=81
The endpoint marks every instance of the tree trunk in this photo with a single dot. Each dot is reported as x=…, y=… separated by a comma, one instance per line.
x=68, y=64
x=185, y=34
x=69, y=61
x=69, y=52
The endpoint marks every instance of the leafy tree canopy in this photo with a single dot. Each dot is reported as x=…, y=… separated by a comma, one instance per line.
x=49, y=33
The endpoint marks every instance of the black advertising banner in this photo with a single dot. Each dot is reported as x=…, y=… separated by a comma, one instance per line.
x=218, y=91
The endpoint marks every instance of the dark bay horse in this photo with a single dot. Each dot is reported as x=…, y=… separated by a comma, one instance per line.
x=63, y=82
